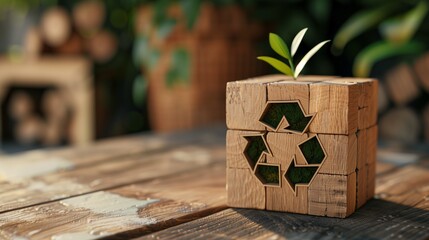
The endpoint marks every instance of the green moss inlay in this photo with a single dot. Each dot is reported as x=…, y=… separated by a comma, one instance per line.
x=255, y=147
x=312, y=151
x=293, y=113
x=297, y=175
x=268, y=174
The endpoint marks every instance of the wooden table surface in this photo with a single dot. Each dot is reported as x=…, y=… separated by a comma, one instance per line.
x=173, y=187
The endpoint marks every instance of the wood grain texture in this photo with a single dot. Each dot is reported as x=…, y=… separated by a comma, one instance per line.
x=15, y=168
x=368, y=103
x=362, y=186
x=295, y=89
x=123, y=212
x=341, y=105
x=336, y=106
x=341, y=151
x=362, y=148
x=379, y=219
x=332, y=195
x=284, y=199
x=106, y=175
x=400, y=211
x=341, y=165
x=235, y=146
x=371, y=173
x=244, y=189
x=245, y=102
x=290, y=90
x=283, y=146
x=347, y=104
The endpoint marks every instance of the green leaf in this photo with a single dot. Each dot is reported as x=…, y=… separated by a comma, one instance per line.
x=402, y=28
x=297, y=40
x=279, y=65
x=359, y=23
x=307, y=57
x=279, y=46
x=139, y=90
x=378, y=51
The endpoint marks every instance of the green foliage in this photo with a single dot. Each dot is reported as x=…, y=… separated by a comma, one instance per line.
x=180, y=67
x=279, y=46
x=191, y=10
x=269, y=174
x=312, y=151
x=293, y=113
x=400, y=29
x=254, y=149
x=396, y=28
x=143, y=54
x=277, y=64
x=140, y=85
x=380, y=50
x=359, y=23
x=297, y=175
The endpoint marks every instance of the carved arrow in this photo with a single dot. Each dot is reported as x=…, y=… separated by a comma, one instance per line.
x=256, y=149
x=299, y=174
x=278, y=111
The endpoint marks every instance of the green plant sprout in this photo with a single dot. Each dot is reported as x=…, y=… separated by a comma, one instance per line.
x=279, y=46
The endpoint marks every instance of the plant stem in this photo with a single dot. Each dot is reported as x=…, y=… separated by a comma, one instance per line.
x=292, y=67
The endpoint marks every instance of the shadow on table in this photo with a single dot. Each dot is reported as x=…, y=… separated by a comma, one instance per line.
x=378, y=219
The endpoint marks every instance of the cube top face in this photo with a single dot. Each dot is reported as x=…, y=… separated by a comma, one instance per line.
x=305, y=146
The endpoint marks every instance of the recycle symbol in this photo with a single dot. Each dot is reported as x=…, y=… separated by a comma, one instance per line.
x=257, y=149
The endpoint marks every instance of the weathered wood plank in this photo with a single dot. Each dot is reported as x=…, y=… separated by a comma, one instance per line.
x=375, y=221
x=402, y=211
x=124, y=212
x=107, y=175
x=16, y=167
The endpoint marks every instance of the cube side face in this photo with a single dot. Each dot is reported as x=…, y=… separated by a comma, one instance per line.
x=244, y=103
x=245, y=100
x=332, y=195
x=327, y=169
x=244, y=190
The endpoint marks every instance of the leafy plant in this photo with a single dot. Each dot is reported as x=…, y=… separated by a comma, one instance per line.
x=279, y=46
x=396, y=28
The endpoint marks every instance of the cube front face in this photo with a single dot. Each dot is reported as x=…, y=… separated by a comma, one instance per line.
x=305, y=146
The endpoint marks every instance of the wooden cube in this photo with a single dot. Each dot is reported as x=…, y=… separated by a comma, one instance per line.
x=305, y=146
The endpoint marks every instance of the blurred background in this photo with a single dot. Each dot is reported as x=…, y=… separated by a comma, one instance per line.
x=73, y=71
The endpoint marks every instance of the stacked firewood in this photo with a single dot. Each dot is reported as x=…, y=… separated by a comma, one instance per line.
x=404, y=102
x=46, y=124
x=76, y=33
x=47, y=119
